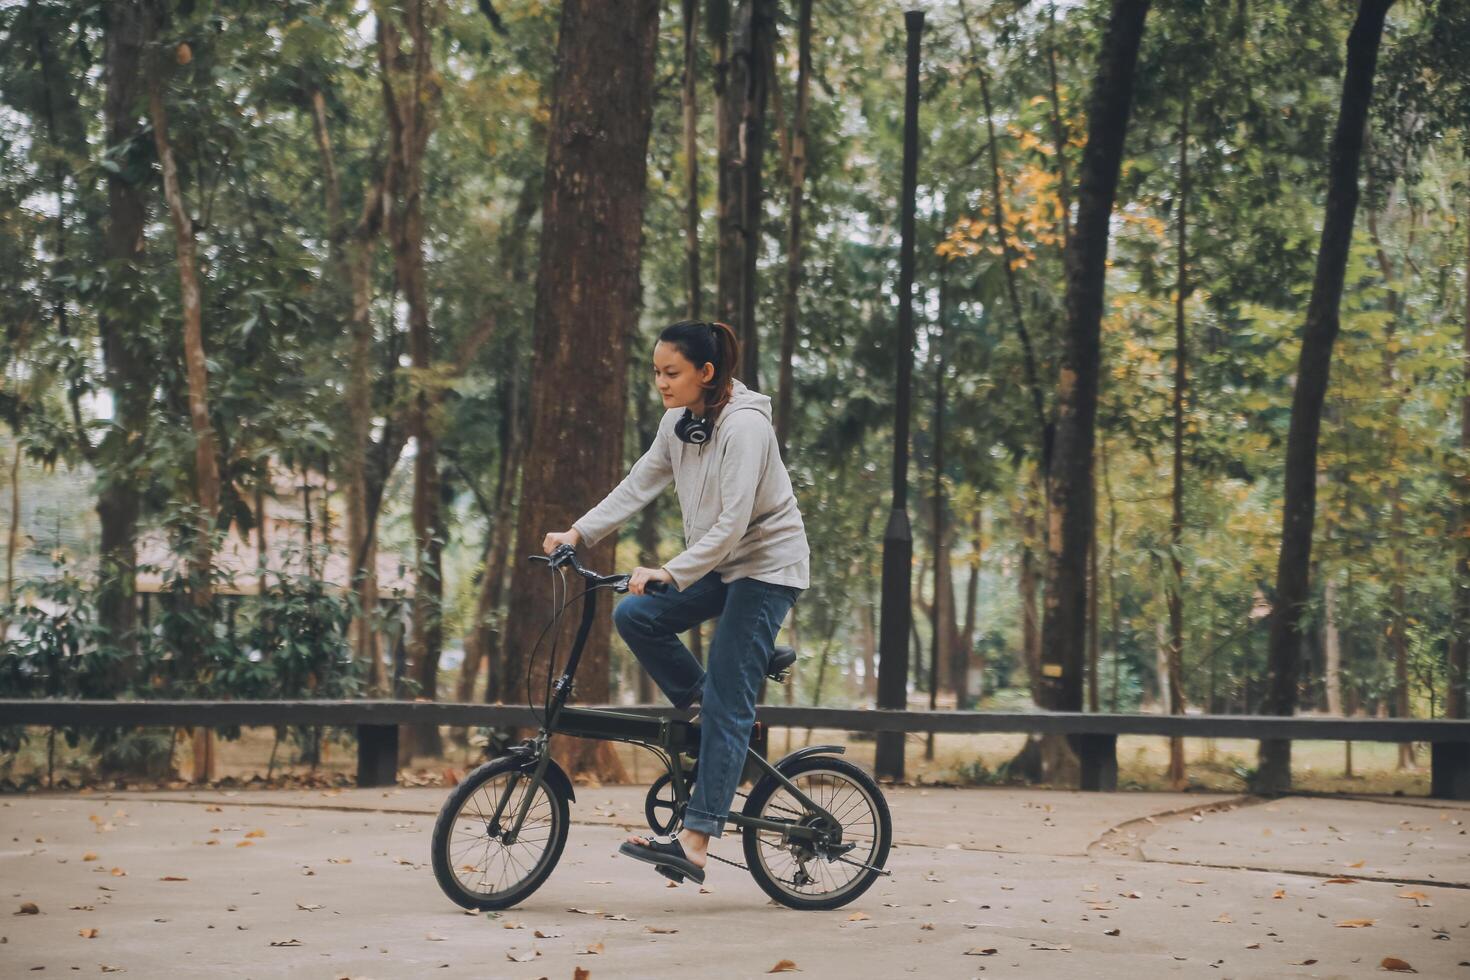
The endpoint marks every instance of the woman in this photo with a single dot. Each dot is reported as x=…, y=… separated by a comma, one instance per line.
x=745, y=561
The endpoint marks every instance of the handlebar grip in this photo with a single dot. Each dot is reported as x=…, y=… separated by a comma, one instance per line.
x=540, y=558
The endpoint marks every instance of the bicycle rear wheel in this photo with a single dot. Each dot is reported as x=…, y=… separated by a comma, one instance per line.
x=474, y=865
x=796, y=875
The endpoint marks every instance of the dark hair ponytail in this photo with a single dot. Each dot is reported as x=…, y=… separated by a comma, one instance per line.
x=704, y=343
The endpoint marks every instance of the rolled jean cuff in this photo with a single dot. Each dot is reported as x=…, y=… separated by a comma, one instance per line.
x=705, y=823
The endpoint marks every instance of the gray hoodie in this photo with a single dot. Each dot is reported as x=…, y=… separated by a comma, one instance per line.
x=740, y=515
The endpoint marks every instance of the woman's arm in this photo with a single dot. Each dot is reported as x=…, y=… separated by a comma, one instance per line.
x=743, y=459
x=650, y=475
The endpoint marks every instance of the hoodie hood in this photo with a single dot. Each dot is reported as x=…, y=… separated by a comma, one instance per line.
x=743, y=399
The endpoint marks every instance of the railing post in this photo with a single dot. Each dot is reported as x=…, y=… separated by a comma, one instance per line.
x=1449, y=770
x=377, y=755
x=1098, y=755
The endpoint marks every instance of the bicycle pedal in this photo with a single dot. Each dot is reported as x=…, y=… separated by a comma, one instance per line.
x=673, y=874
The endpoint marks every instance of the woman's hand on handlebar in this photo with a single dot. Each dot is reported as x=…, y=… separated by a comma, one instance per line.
x=555, y=539
x=640, y=577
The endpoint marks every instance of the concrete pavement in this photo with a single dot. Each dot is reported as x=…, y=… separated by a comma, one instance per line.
x=985, y=881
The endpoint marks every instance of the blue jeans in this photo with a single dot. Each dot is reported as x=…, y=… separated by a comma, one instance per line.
x=750, y=614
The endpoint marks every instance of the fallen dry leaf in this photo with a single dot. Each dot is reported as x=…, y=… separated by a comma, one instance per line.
x=245, y=843
x=1395, y=965
x=214, y=809
x=593, y=949
x=511, y=925
x=1355, y=864
x=1224, y=917
x=90, y=856
x=256, y=833
x=1193, y=881
x=1340, y=881
x=1056, y=947
x=580, y=974
x=339, y=860
x=87, y=933
x=539, y=934
x=434, y=937
x=1302, y=962
x=1355, y=923
x=28, y=908
x=857, y=917
x=784, y=966
x=1112, y=932
x=1279, y=893
x=172, y=878
x=978, y=951
x=659, y=930
x=525, y=957
x=287, y=942
x=586, y=911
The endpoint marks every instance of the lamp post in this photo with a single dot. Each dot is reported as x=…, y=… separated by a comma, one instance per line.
x=898, y=538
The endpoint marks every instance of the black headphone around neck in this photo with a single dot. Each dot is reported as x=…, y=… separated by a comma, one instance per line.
x=692, y=429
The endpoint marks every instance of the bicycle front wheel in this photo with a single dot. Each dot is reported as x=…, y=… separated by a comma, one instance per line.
x=472, y=860
x=793, y=873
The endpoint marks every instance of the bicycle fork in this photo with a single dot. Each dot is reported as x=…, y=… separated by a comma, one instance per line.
x=508, y=837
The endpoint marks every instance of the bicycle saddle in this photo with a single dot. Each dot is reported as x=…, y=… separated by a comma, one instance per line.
x=781, y=661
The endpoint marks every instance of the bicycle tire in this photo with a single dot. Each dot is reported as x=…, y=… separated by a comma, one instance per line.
x=874, y=839
x=471, y=805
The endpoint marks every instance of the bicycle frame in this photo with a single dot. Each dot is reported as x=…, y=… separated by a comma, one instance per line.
x=669, y=736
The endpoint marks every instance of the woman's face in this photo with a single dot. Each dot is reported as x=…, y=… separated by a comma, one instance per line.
x=678, y=381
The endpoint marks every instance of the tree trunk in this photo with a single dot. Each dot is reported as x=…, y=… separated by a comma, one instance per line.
x=587, y=299
x=796, y=166
x=1459, y=657
x=749, y=82
x=1058, y=126
x=352, y=264
x=966, y=646
x=1333, y=649
x=1030, y=618
x=1069, y=499
x=727, y=170
x=1114, y=627
x=692, y=284
x=1397, y=625
x=482, y=646
x=1008, y=258
x=411, y=94
x=126, y=350
x=12, y=537
x=206, y=468
x=648, y=536
x=868, y=647
x=1176, y=521
x=1299, y=509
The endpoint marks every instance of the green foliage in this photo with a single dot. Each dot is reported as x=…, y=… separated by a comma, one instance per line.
x=1260, y=82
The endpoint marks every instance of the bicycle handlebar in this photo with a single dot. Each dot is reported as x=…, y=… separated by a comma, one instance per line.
x=567, y=555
